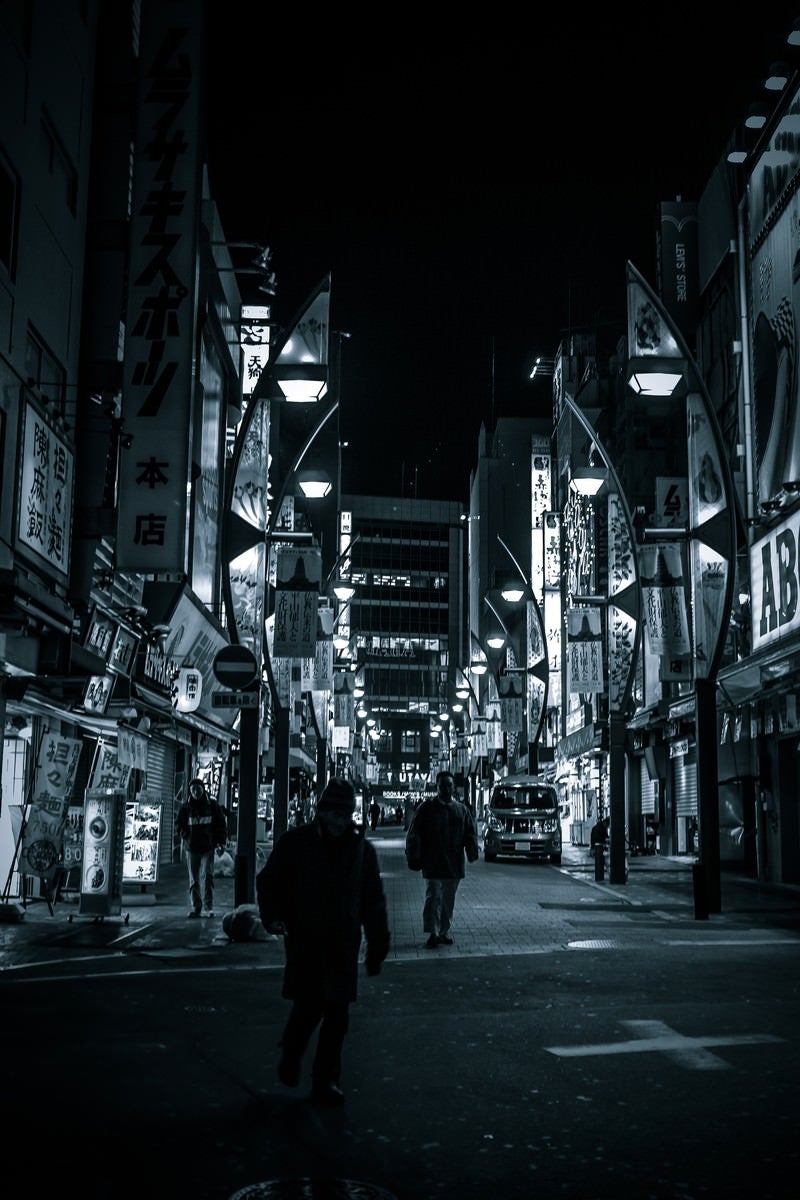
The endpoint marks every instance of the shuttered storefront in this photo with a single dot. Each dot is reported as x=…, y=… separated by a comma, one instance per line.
x=684, y=784
x=161, y=778
x=649, y=788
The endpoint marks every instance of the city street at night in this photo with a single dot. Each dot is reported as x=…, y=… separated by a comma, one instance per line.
x=579, y=1039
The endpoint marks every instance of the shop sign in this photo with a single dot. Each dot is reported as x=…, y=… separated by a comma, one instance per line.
x=103, y=838
x=46, y=815
x=679, y=748
x=44, y=520
x=142, y=836
x=131, y=749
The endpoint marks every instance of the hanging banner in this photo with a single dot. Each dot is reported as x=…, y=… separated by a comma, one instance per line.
x=107, y=770
x=664, y=598
x=297, y=587
x=344, y=708
x=46, y=815
x=478, y=738
x=511, y=704
x=585, y=650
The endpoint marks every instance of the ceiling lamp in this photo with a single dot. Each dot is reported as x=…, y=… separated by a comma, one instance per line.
x=757, y=115
x=587, y=481
x=478, y=668
x=793, y=36
x=314, y=485
x=457, y=708
x=462, y=693
x=495, y=641
x=512, y=592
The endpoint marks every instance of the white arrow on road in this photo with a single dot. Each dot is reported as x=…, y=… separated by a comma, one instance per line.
x=655, y=1036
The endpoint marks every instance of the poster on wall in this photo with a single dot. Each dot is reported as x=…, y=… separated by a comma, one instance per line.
x=101, y=874
x=142, y=837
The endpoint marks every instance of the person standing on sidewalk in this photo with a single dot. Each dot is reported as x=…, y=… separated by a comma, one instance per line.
x=203, y=829
x=444, y=831
x=319, y=887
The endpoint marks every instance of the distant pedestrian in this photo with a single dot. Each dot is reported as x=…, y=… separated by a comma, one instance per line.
x=374, y=815
x=203, y=830
x=444, y=831
x=319, y=888
x=599, y=834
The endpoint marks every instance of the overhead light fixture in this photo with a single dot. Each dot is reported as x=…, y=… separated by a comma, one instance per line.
x=314, y=485
x=757, y=115
x=512, y=592
x=343, y=589
x=793, y=36
x=654, y=383
x=542, y=366
x=478, y=668
x=495, y=641
x=587, y=481
x=777, y=77
x=457, y=708
x=302, y=383
x=462, y=693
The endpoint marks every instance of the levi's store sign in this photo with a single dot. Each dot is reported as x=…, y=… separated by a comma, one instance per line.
x=160, y=328
x=774, y=570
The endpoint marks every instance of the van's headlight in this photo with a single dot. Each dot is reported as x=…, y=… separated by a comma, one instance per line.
x=549, y=825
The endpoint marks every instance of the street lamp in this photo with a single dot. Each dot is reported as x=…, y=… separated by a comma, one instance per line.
x=281, y=423
x=654, y=345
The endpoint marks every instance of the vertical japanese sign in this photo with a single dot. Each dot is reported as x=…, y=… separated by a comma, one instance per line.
x=297, y=587
x=159, y=345
x=509, y=688
x=46, y=817
x=103, y=838
x=585, y=649
x=44, y=518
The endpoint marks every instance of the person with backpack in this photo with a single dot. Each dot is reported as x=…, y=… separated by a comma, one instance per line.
x=319, y=888
x=203, y=829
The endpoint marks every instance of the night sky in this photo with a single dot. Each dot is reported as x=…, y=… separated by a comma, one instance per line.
x=473, y=199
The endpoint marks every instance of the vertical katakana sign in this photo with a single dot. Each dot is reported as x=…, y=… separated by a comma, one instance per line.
x=160, y=334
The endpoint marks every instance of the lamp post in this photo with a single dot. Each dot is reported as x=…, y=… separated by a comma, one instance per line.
x=660, y=364
x=537, y=666
x=623, y=619
x=283, y=415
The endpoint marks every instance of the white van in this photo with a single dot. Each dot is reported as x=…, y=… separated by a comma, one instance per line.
x=522, y=820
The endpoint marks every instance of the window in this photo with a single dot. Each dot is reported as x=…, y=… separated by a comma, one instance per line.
x=59, y=164
x=44, y=372
x=9, y=201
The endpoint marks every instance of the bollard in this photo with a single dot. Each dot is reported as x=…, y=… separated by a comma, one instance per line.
x=599, y=864
x=700, y=890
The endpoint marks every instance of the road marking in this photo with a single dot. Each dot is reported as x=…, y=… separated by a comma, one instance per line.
x=655, y=1036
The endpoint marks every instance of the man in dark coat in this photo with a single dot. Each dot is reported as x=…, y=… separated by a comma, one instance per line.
x=442, y=832
x=319, y=887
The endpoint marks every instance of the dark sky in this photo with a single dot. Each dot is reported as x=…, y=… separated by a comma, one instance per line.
x=473, y=200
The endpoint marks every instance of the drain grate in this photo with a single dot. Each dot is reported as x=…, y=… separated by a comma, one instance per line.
x=312, y=1189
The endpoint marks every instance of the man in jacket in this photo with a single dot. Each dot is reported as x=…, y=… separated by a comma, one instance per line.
x=203, y=829
x=319, y=888
x=444, y=831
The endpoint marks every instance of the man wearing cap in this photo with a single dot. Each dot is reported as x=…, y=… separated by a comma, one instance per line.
x=319, y=888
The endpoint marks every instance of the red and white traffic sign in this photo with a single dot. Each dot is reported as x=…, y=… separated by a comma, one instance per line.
x=235, y=667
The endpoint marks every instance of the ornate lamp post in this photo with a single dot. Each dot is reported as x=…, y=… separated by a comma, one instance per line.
x=283, y=419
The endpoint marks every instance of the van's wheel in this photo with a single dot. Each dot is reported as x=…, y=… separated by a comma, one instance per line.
x=488, y=857
x=555, y=859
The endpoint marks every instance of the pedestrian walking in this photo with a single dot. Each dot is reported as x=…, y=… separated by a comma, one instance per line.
x=203, y=830
x=374, y=815
x=319, y=889
x=441, y=833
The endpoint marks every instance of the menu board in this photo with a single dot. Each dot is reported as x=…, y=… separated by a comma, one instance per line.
x=142, y=837
x=101, y=868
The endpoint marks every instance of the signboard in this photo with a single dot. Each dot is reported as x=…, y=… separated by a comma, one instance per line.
x=103, y=843
x=142, y=836
x=46, y=815
x=235, y=699
x=44, y=512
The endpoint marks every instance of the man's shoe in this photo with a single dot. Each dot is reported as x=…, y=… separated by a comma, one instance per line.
x=193, y=913
x=327, y=1094
x=432, y=942
x=210, y=912
x=444, y=940
x=289, y=1070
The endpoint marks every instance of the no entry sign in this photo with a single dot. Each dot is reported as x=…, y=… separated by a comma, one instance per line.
x=235, y=667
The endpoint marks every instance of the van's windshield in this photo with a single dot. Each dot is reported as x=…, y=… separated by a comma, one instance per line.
x=524, y=797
